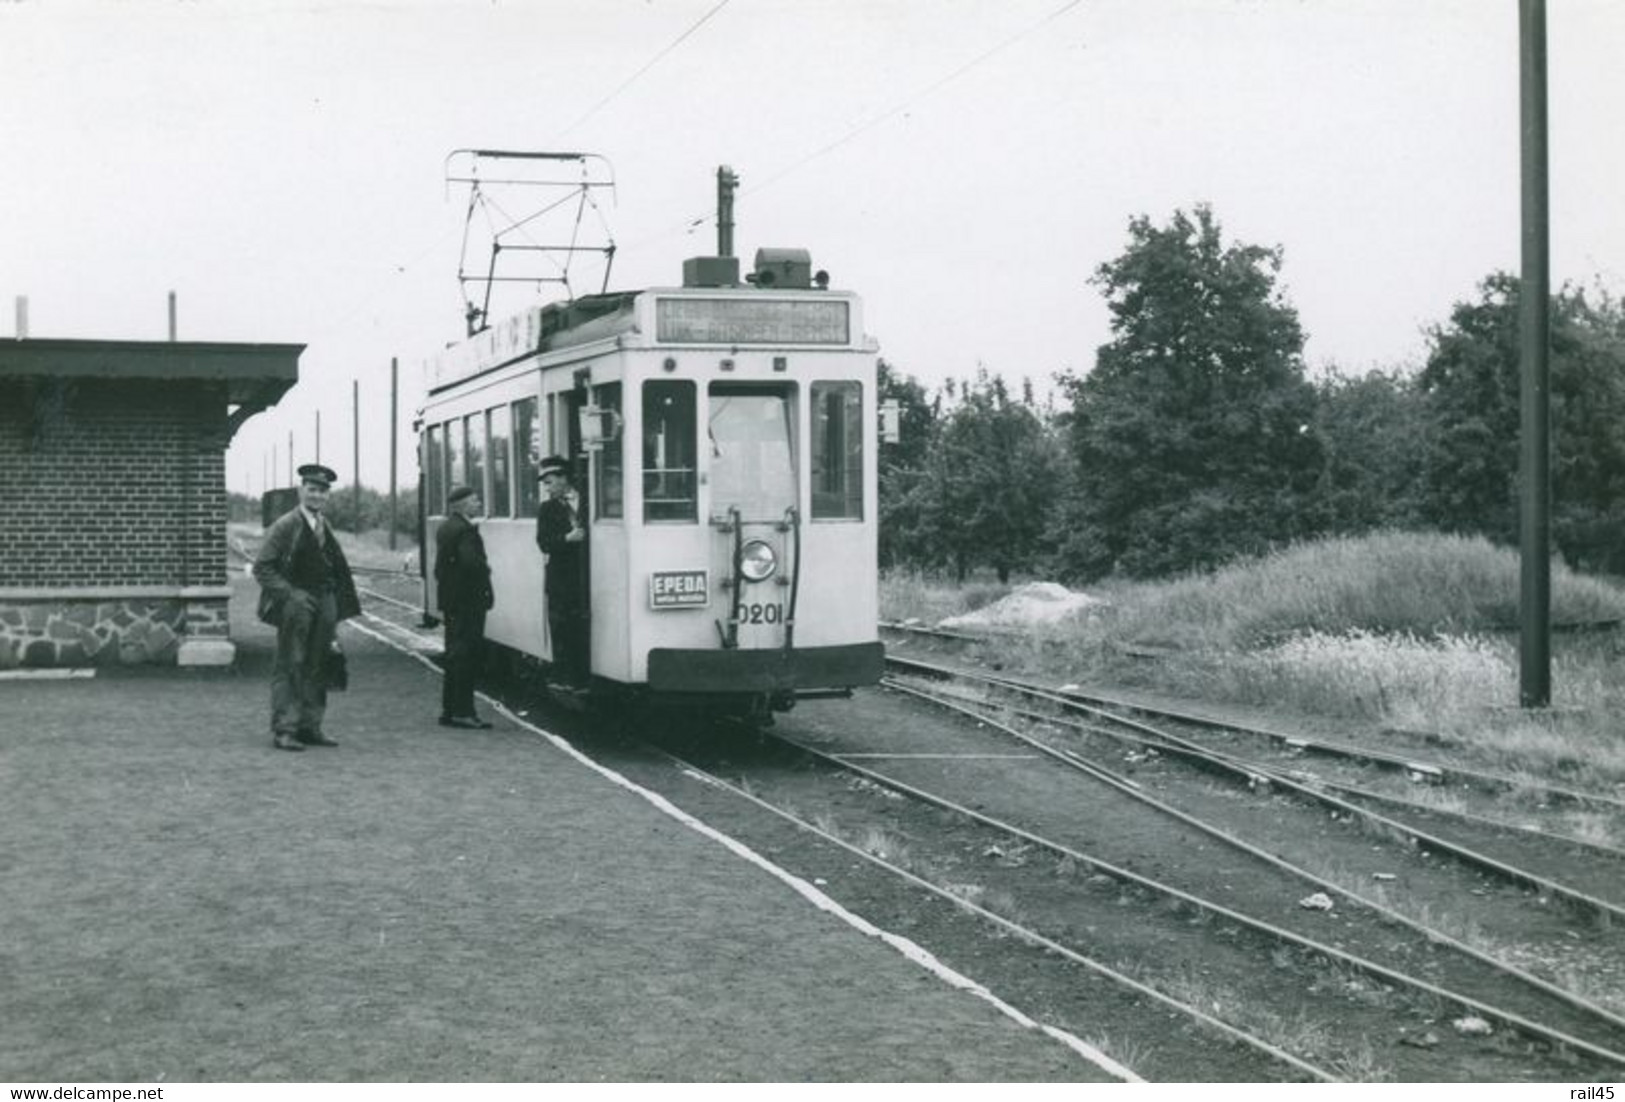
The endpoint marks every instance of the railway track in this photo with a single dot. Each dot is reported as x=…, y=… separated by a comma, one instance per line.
x=1264, y=1058
x=1296, y=745
x=1540, y=1026
x=1514, y=851
x=1255, y=975
x=1507, y=907
x=1514, y=854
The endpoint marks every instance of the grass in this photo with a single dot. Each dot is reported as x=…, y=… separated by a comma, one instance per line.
x=1406, y=631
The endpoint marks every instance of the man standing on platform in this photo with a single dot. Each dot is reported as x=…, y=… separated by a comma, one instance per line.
x=463, y=588
x=305, y=590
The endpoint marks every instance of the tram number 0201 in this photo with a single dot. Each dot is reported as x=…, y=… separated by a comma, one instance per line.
x=759, y=614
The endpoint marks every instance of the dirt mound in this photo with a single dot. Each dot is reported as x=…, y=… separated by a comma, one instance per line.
x=1028, y=605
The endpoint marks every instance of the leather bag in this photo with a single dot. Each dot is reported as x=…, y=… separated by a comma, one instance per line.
x=336, y=669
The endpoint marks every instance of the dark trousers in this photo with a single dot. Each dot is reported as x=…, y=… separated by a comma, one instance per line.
x=298, y=688
x=567, y=631
x=465, y=649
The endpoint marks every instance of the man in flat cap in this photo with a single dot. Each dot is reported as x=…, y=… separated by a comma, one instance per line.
x=463, y=589
x=561, y=535
x=305, y=590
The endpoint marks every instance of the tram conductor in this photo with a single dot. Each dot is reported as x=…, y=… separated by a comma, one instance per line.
x=306, y=589
x=462, y=576
x=561, y=535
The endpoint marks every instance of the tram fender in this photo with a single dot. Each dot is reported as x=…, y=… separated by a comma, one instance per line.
x=682, y=670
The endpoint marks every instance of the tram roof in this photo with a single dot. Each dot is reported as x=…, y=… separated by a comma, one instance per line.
x=591, y=318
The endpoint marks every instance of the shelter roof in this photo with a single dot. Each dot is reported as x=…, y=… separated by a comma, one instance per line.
x=254, y=374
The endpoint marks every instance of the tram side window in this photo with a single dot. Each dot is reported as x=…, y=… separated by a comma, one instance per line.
x=526, y=454
x=474, y=428
x=456, y=462
x=434, y=472
x=837, y=451
x=669, y=450
x=496, y=423
x=609, y=492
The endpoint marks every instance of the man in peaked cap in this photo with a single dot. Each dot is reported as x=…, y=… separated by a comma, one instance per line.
x=561, y=535
x=462, y=577
x=306, y=588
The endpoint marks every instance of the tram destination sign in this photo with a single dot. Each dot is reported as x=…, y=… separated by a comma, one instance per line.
x=753, y=321
x=678, y=589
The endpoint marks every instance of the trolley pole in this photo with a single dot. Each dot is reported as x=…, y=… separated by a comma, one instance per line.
x=1534, y=346
x=394, y=434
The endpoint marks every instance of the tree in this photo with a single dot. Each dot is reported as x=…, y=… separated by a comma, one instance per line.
x=985, y=493
x=1471, y=390
x=902, y=466
x=1368, y=427
x=1190, y=438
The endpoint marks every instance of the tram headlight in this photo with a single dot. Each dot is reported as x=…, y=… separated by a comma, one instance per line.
x=757, y=560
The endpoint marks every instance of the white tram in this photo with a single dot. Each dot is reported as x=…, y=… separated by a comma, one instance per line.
x=724, y=436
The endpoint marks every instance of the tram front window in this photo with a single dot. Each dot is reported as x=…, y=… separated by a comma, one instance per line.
x=751, y=449
x=668, y=450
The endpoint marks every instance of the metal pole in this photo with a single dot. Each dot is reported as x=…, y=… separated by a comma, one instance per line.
x=726, y=182
x=355, y=406
x=1534, y=346
x=318, y=436
x=172, y=329
x=394, y=433
x=291, y=482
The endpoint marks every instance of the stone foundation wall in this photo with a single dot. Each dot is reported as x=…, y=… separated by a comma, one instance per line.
x=109, y=629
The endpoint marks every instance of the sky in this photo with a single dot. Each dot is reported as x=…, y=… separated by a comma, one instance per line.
x=964, y=165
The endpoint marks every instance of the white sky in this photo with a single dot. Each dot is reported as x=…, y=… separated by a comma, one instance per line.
x=963, y=164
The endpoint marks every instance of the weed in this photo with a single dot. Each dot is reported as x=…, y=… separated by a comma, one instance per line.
x=878, y=843
x=1359, y=1065
x=1128, y=1052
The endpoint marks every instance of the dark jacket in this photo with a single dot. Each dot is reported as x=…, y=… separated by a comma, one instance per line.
x=565, y=576
x=289, y=556
x=461, y=572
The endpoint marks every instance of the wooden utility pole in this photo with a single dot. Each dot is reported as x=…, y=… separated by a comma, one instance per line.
x=1534, y=346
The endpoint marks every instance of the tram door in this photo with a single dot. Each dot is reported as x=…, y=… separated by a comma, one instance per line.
x=573, y=452
x=751, y=446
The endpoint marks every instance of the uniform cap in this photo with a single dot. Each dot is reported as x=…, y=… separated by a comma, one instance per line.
x=315, y=472
x=459, y=494
x=553, y=464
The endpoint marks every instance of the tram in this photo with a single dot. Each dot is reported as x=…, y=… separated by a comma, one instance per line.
x=723, y=433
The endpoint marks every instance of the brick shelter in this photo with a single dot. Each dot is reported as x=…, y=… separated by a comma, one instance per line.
x=113, y=495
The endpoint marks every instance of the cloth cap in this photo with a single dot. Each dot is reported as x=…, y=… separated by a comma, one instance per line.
x=459, y=494
x=315, y=472
x=553, y=464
